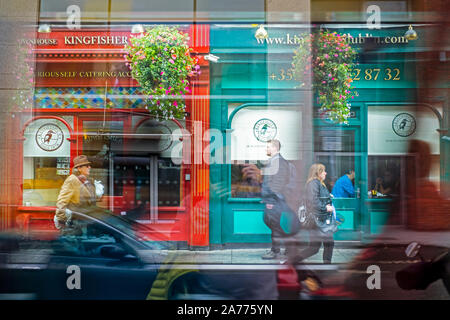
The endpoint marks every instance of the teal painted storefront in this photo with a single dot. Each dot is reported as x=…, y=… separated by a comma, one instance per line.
x=254, y=76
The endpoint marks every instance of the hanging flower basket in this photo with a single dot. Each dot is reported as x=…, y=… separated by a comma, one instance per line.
x=326, y=60
x=160, y=62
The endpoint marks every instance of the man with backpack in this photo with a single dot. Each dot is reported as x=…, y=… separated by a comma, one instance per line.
x=278, y=183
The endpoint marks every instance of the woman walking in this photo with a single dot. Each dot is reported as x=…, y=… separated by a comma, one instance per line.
x=319, y=206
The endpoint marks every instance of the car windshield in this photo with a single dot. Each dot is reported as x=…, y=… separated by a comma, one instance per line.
x=141, y=233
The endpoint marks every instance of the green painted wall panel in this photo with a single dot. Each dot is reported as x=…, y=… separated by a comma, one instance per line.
x=349, y=219
x=249, y=222
x=377, y=221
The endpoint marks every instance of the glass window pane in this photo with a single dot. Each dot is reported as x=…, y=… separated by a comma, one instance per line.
x=43, y=178
x=101, y=140
x=251, y=128
x=336, y=166
x=230, y=6
x=245, y=180
x=91, y=10
x=46, y=160
x=335, y=140
x=385, y=175
x=169, y=183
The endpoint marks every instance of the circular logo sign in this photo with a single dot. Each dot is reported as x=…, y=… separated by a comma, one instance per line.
x=160, y=136
x=49, y=137
x=265, y=130
x=166, y=138
x=404, y=124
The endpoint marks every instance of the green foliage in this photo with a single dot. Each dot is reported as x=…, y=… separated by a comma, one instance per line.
x=326, y=59
x=160, y=61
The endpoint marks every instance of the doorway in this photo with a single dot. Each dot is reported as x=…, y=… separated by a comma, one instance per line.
x=136, y=166
x=339, y=149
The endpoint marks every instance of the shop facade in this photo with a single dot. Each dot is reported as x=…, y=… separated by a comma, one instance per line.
x=255, y=77
x=183, y=178
x=86, y=102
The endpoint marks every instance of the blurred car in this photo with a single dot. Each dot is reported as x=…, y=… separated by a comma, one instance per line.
x=104, y=256
x=374, y=274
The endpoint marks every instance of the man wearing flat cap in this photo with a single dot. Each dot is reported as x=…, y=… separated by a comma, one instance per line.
x=76, y=192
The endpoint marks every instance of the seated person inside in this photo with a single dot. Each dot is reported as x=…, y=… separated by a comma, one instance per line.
x=343, y=188
x=385, y=185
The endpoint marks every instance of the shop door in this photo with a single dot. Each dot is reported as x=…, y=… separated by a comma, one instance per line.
x=101, y=141
x=339, y=149
x=251, y=126
x=139, y=176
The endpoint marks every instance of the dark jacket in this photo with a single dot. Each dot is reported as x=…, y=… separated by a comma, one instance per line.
x=276, y=176
x=317, y=198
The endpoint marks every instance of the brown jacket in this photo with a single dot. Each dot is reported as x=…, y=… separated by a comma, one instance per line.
x=74, y=194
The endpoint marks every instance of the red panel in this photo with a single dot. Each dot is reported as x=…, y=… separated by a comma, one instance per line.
x=101, y=40
x=199, y=35
x=75, y=61
x=199, y=215
x=74, y=40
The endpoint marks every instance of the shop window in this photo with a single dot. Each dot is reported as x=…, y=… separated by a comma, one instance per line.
x=232, y=6
x=385, y=175
x=91, y=10
x=102, y=140
x=246, y=180
x=138, y=167
x=145, y=9
x=102, y=10
x=389, y=175
x=335, y=140
x=336, y=167
x=390, y=131
x=46, y=161
x=251, y=128
x=399, y=7
x=335, y=148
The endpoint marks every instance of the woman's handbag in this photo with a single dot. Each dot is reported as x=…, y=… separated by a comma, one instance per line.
x=309, y=221
x=305, y=218
x=326, y=222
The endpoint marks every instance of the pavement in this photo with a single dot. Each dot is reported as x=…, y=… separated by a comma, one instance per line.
x=343, y=253
x=253, y=256
x=347, y=274
x=401, y=235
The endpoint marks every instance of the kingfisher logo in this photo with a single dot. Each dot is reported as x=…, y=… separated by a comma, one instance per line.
x=404, y=124
x=265, y=130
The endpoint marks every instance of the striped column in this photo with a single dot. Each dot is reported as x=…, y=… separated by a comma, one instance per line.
x=199, y=111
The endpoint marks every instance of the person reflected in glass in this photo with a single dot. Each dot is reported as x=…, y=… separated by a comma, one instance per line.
x=319, y=205
x=247, y=180
x=343, y=188
x=278, y=181
x=426, y=206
